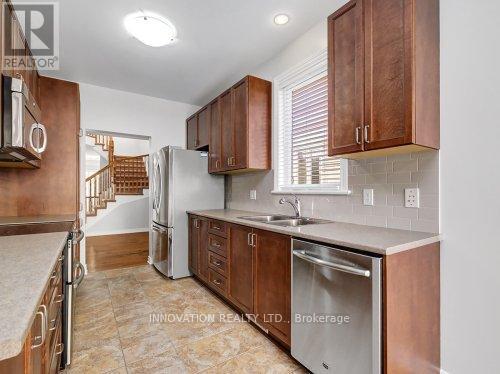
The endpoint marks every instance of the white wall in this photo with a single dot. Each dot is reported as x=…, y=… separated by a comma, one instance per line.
x=130, y=146
x=123, y=112
x=470, y=179
x=105, y=109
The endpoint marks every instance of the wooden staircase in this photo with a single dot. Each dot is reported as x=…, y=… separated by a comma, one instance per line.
x=123, y=175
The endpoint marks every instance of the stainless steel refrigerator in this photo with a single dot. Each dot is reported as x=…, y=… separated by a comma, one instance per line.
x=180, y=183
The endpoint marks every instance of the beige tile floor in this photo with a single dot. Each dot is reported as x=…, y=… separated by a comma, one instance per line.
x=114, y=332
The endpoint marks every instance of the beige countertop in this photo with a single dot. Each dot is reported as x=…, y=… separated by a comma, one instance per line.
x=365, y=238
x=26, y=262
x=47, y=218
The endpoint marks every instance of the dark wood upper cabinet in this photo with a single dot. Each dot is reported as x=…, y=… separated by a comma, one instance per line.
x=215, y=148
x=227, y=130
x=345, y=79
x=192, y=132
x=239, y=98
x=272, y=282
x=240, y=128
x=203, y=127
x=392, y=104
x=241, y=268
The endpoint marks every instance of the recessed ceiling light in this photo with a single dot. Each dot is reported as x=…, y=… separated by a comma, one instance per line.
x=281, y=19
x=151, y=29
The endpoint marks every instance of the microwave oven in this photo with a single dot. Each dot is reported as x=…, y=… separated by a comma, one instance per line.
x=23, y=138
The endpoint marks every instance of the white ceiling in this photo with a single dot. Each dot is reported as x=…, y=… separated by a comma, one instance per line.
x=220, y=41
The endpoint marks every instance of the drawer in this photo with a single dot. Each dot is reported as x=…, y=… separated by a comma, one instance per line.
x=55, y=280
x=217, y=263
x=217, y=281
x=217, y=228
x=217, y=244
x=55, y=351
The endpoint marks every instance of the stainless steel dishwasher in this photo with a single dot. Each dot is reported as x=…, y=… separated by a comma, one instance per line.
x=336, y=309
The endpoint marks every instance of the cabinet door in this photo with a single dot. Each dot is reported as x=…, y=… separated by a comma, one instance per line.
x=194, y=239
x=345, y=79
x=239, y=112
x=273, y=282
x=203, y=249
x=388, y=72
x=215, y=139
x=203, y=127
x=241, y=268
x=227, y=131
x=192, y=132
x=36, y=363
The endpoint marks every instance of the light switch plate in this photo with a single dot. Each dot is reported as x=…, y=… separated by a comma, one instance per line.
x=412, y=198
x=368, y=196
x=253, y=194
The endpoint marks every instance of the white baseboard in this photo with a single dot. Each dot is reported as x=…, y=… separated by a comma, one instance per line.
x=116, y=232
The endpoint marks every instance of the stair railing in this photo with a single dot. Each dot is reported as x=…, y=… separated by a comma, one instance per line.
x=99, y=190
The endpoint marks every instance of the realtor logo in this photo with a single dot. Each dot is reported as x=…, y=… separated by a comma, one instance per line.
x=37, y=26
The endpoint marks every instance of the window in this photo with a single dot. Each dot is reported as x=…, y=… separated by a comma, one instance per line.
x=301, y=137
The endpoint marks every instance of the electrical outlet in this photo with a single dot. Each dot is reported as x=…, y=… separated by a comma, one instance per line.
x=253, y=194
x=412, y=199
x=368, y=196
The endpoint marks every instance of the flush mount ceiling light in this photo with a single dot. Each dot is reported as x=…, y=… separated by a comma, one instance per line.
x=151, y=29
x=281, y=19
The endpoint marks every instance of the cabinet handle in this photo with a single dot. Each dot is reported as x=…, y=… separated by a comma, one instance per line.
x=217, y=282
x=249, y=239
x=254, y=239
x=217, y=263
x=53, y=324
x=358, y=140
x=233, y=161
x=43, y=315
x=59, y=299
x=215, y=227
x=216, y=245
x=197, y=223
x=367, y=139
x=228, y=161
x=61, y=349
x=217, y=164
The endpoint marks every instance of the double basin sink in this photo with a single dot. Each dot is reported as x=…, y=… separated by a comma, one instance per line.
x=285, y=221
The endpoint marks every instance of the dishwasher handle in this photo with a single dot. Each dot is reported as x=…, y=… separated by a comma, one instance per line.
x=332, y=265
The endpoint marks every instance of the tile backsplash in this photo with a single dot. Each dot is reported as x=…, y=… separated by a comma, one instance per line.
x=388, y=176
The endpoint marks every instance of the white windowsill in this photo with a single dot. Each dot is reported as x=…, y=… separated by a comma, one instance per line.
x=310, y=192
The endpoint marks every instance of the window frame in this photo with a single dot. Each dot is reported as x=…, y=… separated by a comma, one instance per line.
x=312, y=67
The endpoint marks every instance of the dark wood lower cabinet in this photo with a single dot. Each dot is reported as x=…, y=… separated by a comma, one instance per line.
x=194, y=242
x=42, y=354
x=240, y=290
x=203, y=249
x=251, y=270
x=272, y=284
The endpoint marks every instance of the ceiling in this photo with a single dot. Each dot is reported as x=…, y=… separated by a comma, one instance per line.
x=220, y=41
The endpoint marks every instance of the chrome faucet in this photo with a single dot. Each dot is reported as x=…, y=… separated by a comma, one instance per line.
x=295, y=205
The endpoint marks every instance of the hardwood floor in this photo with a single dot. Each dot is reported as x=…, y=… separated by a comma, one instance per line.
x=108, y=252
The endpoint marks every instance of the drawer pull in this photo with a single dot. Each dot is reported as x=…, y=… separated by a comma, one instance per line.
x=54, y=275
x=215, y=227
x=53, y=324
x=217, y=263
x=61, y=349
x=216, y=245
x=217, y=282
x=59, y=299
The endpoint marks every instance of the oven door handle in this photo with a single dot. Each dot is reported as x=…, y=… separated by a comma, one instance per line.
x=80, y=277
x=79, y=238
x=332, y=265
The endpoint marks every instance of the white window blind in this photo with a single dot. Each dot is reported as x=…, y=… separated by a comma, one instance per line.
x=302, y=139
